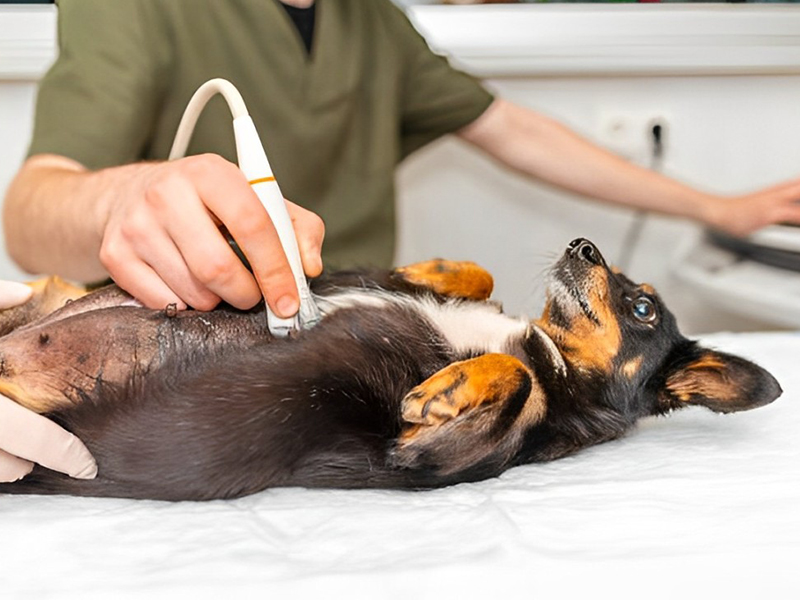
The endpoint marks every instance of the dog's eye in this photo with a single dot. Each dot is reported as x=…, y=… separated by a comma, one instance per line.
x=644, y=309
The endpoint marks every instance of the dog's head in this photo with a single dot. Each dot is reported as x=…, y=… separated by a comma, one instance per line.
x=620, y=336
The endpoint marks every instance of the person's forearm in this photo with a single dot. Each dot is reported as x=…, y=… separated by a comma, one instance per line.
x=53, y=218
x=545, y=149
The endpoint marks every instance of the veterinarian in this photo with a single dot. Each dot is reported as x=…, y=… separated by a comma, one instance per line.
x=342, y=91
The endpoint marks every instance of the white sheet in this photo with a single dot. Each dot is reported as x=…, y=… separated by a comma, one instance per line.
x=693, y=504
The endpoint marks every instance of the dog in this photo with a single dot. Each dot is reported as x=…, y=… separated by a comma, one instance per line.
x=414, y=379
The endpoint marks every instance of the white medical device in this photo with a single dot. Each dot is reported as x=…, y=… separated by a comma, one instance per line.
x=256, y=168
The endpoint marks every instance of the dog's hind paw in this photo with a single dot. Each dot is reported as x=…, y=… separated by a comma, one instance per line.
x=454, y=279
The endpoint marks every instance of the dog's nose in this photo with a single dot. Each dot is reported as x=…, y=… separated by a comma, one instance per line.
x=585, y=250
x=576, y=242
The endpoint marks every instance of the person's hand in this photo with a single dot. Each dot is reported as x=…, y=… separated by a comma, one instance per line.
x=162, y=242
x=27, y=438
x=742, y=215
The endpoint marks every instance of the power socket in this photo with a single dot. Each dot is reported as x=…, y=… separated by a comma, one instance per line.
x=639, y=137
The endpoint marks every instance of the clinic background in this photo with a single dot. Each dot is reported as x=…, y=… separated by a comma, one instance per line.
x=721, y=81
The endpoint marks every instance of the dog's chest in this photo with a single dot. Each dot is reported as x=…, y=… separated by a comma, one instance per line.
x=468, y=327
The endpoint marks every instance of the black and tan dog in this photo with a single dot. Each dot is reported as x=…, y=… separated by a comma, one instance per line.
x=412, y=380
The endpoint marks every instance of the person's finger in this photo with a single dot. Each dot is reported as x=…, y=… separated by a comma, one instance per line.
x=13, y=294
x=13, y=468
x=137, y=278
x=310, y=232
x=789, y=214
x=38, y=439
x=249, y=224
x=787, y=189
x=160, y=253
x=264, y=251
x=210, y=263
x=139, y=234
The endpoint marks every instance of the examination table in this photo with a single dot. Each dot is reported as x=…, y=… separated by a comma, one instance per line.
x=694, y=504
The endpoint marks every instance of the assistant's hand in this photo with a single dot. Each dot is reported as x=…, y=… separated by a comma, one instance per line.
x=162, y=243
x=742, y=215
x=27, y=438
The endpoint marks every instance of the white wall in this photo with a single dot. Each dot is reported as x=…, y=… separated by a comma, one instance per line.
x=16, y=103
x=27, y=46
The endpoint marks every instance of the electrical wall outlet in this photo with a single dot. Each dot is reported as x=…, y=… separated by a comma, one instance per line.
x=639, y=136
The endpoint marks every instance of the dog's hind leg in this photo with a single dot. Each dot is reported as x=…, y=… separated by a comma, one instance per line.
x=449, y=278
x=469, y=411
x=101, y=343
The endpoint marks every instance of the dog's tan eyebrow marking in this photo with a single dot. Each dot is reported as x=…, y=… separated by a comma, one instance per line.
x=631, y=367
x=648, y=289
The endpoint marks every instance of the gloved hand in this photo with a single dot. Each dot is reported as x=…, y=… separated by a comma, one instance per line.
x=27, y=438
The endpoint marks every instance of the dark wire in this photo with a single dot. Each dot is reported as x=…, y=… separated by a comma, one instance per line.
x=634, y=233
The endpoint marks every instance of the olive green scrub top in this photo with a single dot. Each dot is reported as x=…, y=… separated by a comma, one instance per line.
x=334, y=122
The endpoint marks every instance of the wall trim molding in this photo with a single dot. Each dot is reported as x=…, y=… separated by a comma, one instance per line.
x=27, y=41
x=644, y=39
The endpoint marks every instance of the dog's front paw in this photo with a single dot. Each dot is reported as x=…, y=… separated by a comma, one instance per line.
x=437, y=400
x=462, y=387
x=462, y=414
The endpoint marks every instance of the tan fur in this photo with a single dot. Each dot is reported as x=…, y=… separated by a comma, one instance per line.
x=630, y=368
x=49, y=295
x=490, y=379
x=39, y=394
x=704, y=377
x=647, y=289
x=450, y=278
x=706, y=362
x=585, y=344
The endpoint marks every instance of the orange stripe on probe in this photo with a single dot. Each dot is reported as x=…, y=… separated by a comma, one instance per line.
x=262, y=180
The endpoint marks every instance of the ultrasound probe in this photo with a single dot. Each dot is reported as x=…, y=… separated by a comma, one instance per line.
x=256, y=168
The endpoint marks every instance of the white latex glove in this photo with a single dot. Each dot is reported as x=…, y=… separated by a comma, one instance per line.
x=27, y=438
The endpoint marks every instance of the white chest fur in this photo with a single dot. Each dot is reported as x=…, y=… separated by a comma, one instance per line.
x=466, y=326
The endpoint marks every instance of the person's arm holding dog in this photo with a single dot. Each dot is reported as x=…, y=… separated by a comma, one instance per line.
x=543, y=148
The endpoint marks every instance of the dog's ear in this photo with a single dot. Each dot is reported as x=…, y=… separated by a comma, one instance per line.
x=716, y=380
